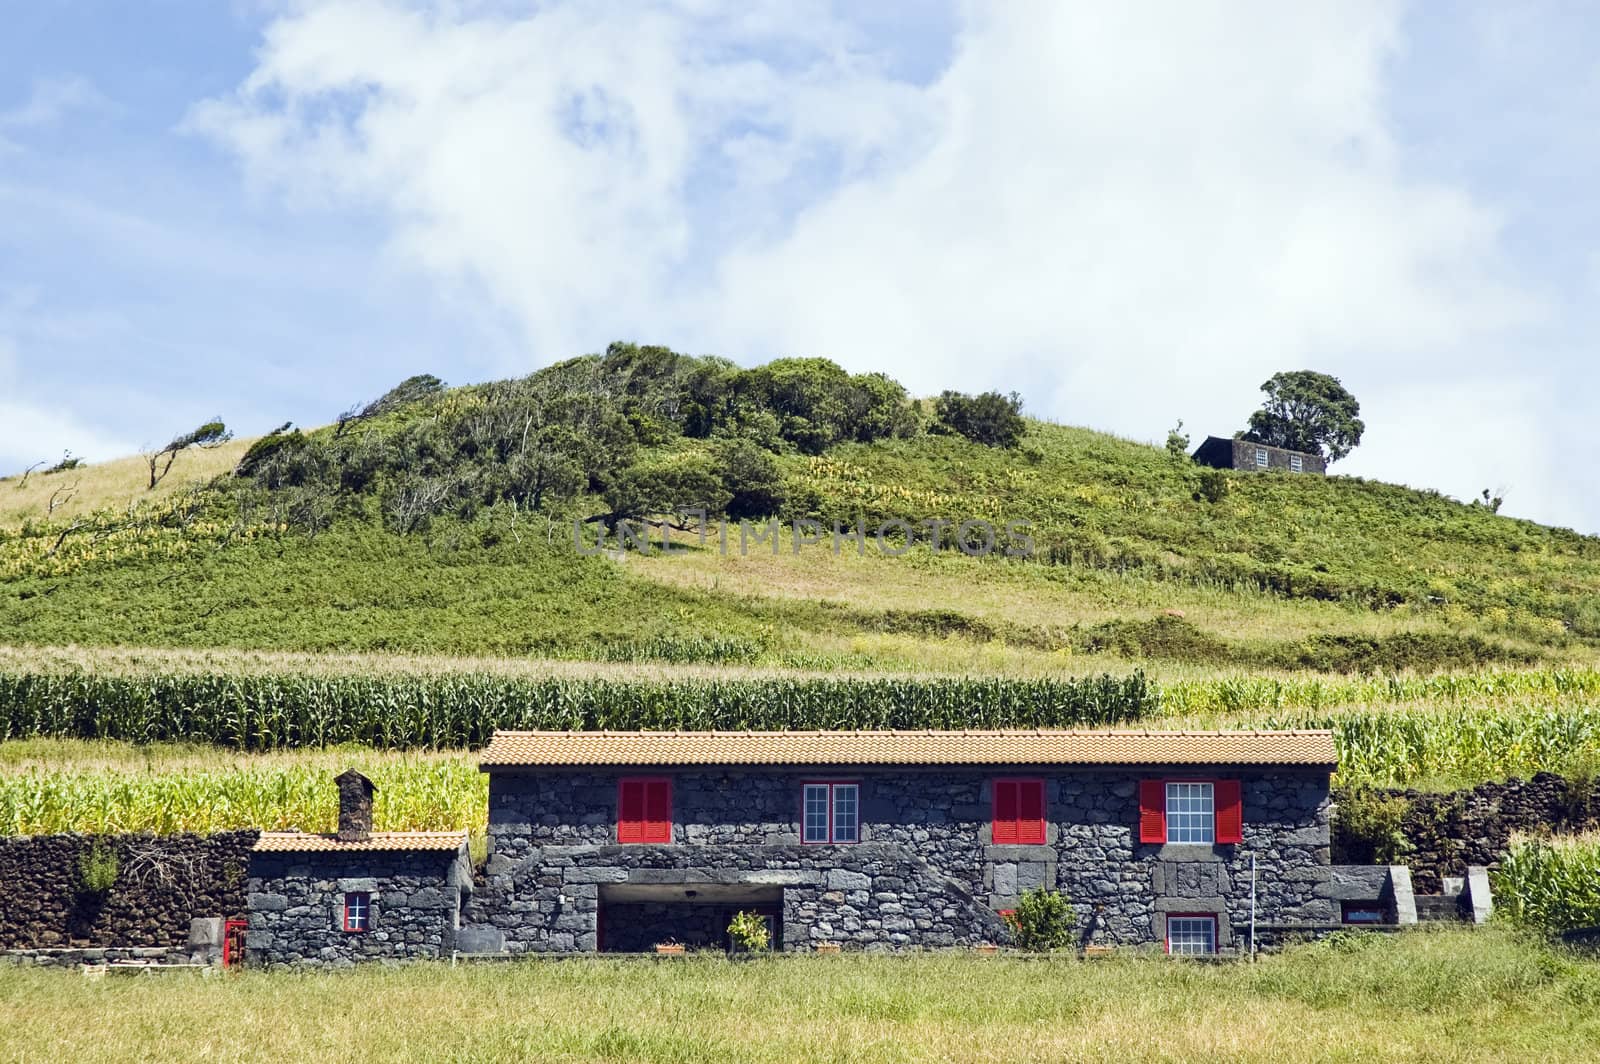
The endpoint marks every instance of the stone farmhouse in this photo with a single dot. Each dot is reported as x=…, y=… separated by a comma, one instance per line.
x=1242, y=454
x=1192, y=842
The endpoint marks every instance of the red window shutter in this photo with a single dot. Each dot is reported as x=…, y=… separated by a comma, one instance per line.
x=1152, y=811
x=1005, y=812
x=630, y=811
x=1230, y=811
x=1030, y=811
x=658, y=811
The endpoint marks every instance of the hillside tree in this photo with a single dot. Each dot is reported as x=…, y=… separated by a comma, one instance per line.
x=210, y=434
x=411, y=390
x=1310, y=412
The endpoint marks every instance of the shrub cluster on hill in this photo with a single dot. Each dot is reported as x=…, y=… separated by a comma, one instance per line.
x=615, y=426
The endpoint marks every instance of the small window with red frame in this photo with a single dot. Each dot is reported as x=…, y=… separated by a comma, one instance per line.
x=358, y=911
x=1191, y=934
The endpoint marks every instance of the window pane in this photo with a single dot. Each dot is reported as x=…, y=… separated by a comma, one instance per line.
x=356, y=908
x=1191, y=816
x=1261, y=458
x=816, y=812
x=1191, y=935
x=844, y=812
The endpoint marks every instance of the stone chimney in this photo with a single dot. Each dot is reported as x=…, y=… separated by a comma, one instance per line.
x=355, y=805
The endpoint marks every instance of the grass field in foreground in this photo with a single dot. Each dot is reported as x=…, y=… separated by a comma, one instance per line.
x=1456, y=995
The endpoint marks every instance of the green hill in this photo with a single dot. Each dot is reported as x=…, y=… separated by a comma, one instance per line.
x=441, y=521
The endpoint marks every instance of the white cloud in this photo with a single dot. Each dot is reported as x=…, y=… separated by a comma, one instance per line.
x=32, y=433
x=34, y=429
x=51, y=99
x=1129, y=213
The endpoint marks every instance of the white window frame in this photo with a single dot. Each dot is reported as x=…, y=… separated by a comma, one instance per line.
x=1261, y=458
x=357, y=911
x=1192, y=934
x=841, y=800
x=1296, y=464
x=1191, y=808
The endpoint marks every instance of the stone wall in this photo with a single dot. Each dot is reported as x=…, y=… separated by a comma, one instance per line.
x=1221, y=452
x=296, y=906
x=74, y=958
x=162, y=883
x=1279, y=458
x=1447, y=832
x=925, y=872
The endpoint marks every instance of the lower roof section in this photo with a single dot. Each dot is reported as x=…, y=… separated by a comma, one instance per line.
x=1032, y=747
x=377, y=841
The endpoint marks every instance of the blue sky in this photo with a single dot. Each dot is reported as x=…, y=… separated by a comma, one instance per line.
x=1130, y=214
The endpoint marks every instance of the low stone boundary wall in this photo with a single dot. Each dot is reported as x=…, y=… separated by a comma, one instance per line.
x=162, y=882
x=72, y=958
x=1473, y=827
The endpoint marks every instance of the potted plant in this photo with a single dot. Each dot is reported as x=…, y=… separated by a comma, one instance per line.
x=670, y=948
x=749, y=933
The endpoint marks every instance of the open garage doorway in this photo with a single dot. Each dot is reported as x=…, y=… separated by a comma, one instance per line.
x=634, y=917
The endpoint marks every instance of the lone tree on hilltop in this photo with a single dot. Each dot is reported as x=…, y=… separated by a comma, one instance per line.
x=210, y=434
x=1307, y=411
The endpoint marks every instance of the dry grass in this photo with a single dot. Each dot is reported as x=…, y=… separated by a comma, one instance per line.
x=90, y=756
x=1457, y=995
x=1038, y=596
x=918, y=658
x=109, y=485
x=957, y=660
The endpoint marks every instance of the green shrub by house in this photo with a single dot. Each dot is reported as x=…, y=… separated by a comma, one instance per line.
x=1042, y=921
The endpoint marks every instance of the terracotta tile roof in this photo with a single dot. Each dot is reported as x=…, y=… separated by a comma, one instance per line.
x=514, y=749
x=301, y=842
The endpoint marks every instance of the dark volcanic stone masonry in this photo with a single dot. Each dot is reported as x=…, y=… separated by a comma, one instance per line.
x=296, y=903
x=163, y=882
x=924, y=874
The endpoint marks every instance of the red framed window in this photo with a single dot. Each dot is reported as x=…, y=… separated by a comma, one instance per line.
x=644, y=809
x=1191, y=811
x=1191, y=934
x=1018, y=812
x=830, y=812
x=358, y=911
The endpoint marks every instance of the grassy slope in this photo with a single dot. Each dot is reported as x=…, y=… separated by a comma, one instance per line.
x=1448, y=995
x=1278, y=563
x=112, y=485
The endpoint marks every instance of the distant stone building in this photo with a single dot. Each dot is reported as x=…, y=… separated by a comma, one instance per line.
x=1237, y=453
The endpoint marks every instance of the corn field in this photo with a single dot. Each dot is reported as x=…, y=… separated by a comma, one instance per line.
x=1454, y=747
x=436, y=794
x=1552, y=885
x=1254, y=694
x=1449, y=731
x=443, y=711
